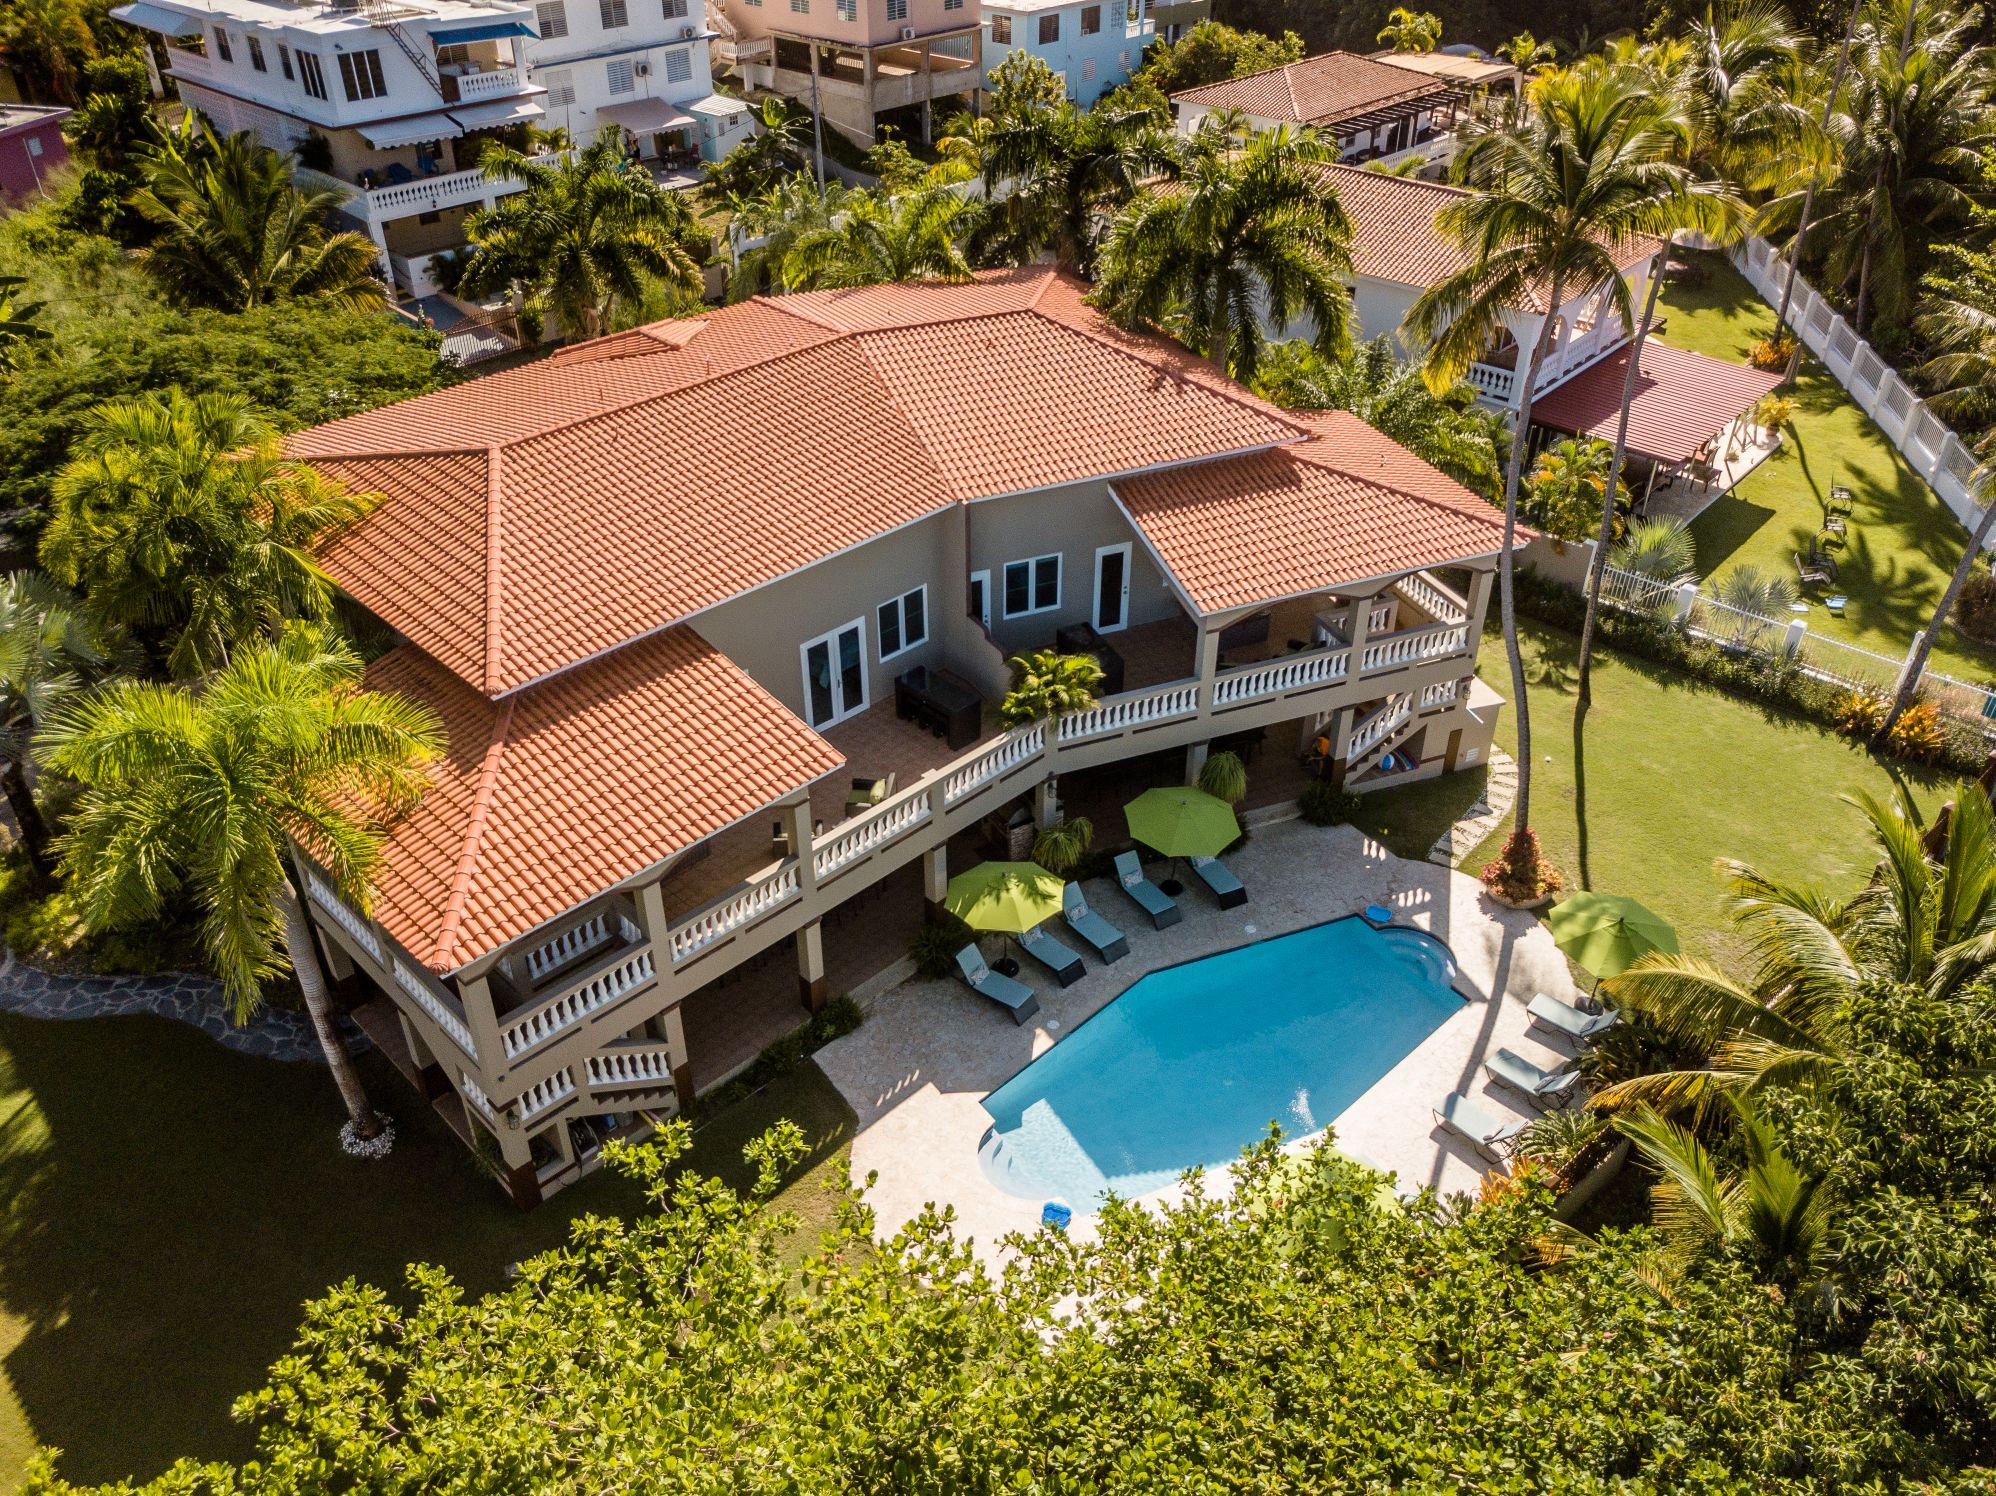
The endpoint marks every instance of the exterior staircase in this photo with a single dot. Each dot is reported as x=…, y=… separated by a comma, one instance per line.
x=1379, y=734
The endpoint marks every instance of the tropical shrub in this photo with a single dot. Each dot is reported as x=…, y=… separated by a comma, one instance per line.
x=934, y=948
x=1325, y=804
x=1773, y=414
x=1224, y=777
x=1060, y=847
x=1975, y=608
x=1048, y=684
x=1520, y=873
x=1918, y=734
x=1660, y=549
x=1772, y=354
x=1555, y=1136
x=1566, y=486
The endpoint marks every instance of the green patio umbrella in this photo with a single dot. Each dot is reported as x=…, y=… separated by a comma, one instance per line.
x=1606, y=933
x=1182, y=822
x=1007, y=898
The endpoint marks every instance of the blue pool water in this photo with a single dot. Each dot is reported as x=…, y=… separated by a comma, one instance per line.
x=1193, y=1062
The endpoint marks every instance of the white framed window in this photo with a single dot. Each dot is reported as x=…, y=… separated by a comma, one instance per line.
x=617, y=74
x=222, y=45
x=560, y=84
x=678, y=65
x=1032, y=586
x=256, y=54
x=835, y=674
x=551, y=19
x=613, y=13
x=360, y=75
x=310, y=75
x=1001, y=30
x=284, y=59
x=902, y=622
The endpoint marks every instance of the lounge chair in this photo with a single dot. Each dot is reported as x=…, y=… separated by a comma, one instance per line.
x=1463, y=1117
x=1106, y=938
x=1537, y=1082
x=1014, y=997
x=867, y=793
x=1568, y=1020
x=1051, y=954
x=1217, y=876
x=1812, y=572
x=1153, y=900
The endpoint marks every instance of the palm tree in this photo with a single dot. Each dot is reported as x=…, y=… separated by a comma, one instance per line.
x=1983, y=486
x=1065, y=166
x=1410, y=31
x=773, y=223
x=50, y=39
x=207, y=794
x=18, y=322
x=1390, y=395
x=1742, y=83
x=237, y=232
x=1249, y=233
x=1774, y=1215
x=1660, y=549
x=1560, y=196
x=770, y=156
x=1927, y=919
x=179, y=517
x=590, y=233
x=917, y=236
x=1919, y=121
x=51, y=647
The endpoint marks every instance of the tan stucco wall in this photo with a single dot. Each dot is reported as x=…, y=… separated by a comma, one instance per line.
x=1074, y=520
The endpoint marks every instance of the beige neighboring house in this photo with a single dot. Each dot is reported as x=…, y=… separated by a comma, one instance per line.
x=686, y=598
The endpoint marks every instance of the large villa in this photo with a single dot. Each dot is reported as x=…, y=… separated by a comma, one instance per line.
x=717, y=613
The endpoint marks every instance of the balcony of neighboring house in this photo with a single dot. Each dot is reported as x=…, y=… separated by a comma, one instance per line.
x=855, y=83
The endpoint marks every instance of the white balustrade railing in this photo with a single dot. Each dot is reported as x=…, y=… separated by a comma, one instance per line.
x=1495, y=382
x=1378, y=621
x=441, y=1012
x=722, y=919
x=571, y=1007
x=547, y=1094
x=344, y=914
x=1441, y=693
x=854, y=840
x=1415, y=644
x=1295, y=672
x=475, y=1094
x=1431, y=597
x=496, y=84
x=1132, y=709
x=568, y=945
x=1375, y=729
x=625, y=1068
x=999, y=759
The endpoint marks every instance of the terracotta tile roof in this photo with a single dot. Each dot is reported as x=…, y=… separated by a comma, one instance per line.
x=1394, y=237
x=777, y=432
x=555, y=794
x=1347, y=506
x=1682, y=400
x=1323, y=90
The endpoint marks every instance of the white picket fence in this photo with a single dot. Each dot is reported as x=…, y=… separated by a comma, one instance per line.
x=1923, y=438
x=1831, y=660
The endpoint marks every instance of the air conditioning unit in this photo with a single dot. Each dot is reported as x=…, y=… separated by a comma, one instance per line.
x=688, y=32
x=907, y=33
x=642, y=70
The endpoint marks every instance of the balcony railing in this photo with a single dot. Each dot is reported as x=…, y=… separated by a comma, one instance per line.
x=344, y=915
x=1296, y=672
x=494, y=83
x=1433, y=598
x=629, y=1066
x=1495, y=382
x=1413, y=646
x=442, y=1010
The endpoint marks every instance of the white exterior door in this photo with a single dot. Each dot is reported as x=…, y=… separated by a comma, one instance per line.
x=835, y=674
x=1112, y=588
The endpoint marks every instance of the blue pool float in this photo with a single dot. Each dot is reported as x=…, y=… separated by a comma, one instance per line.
x=1057, y=1214
x=1378, y=915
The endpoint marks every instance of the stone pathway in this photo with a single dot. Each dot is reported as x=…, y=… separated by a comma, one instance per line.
x=272, y=1034
x=1500, y=788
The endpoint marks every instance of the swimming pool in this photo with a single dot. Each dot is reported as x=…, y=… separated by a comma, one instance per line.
x=1193, y=1062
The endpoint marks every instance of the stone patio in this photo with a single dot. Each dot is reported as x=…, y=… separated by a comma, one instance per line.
x=917, y=1072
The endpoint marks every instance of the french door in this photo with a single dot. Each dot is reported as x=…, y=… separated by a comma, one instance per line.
x=835, y=674
x=1112, y=588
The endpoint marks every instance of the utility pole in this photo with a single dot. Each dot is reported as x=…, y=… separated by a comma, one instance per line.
x=817, y=124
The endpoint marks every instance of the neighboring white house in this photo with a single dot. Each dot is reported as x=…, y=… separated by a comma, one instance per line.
x=391, y=102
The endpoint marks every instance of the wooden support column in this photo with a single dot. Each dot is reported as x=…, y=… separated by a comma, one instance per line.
x=935, y=880
x=811, y=965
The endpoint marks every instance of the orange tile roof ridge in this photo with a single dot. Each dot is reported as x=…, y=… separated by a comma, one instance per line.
x=467, y=864
x=494, y=566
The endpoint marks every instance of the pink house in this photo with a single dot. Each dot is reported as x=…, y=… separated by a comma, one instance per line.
x=31, y=146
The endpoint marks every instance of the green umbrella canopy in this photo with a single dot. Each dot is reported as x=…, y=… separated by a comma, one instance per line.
x=1182, y=822
x=1607, y=933
x=1004, y=897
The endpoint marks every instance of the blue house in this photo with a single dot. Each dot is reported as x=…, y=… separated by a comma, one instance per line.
x=1092, y=44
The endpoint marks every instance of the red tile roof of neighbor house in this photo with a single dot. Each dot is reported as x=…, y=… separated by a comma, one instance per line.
x=1323, y=90
x=1394, y=236
x=547, y=798
x=1348, y=506
x=1681, y=401
x=538, y=518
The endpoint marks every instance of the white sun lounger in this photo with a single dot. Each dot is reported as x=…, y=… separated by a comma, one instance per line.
x=1464, y=1117
x=1569, y=1020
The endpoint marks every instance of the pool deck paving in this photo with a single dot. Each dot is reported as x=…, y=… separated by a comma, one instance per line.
x=917, y=1071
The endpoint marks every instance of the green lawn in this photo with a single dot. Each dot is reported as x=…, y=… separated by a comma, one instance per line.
x=166, y=1207
x=1904, y=541
x=1666, y=774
